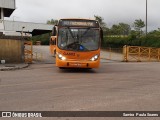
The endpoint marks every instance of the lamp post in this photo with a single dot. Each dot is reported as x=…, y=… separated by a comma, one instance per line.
x=22, y=44
x=22, y=32
x=146, y=17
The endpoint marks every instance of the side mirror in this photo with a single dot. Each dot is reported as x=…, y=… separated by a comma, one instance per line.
x=54, y=31
x=53, y=40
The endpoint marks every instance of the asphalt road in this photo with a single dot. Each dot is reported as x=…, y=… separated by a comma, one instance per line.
x=115, y=86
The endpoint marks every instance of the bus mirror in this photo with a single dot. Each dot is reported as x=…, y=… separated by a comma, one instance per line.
x=54, y=31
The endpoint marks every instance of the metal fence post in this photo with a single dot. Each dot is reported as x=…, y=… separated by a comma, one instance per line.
x=31, y=52
x=149, y=54
x=159, y=54
x=110, y=53
x=125, y=59
x=139, y=54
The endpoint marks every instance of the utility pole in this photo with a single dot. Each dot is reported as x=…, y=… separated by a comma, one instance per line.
x=22, y=43
x=146, y=17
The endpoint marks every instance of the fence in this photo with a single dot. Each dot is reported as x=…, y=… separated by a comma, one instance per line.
x=11, y=51
x=37, y=56
x=114, y=54
x=136, y=53
x=28, y=52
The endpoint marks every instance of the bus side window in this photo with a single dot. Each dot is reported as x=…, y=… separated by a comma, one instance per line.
x=54, y=42
x=51, y=42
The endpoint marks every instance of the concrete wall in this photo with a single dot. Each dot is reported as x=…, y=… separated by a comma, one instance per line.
x=11, y=50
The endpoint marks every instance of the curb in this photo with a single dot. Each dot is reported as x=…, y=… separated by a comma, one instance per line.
x=112, y=60
x=13, y=68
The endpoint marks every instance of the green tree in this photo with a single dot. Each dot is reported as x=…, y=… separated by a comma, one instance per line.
x=138, y=25
x=124, y=29
x=155, y=33
x=52, y=22
x=101, y=21
x=120, y=29
x=115, y=30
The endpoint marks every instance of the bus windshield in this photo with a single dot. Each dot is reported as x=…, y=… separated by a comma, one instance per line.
x=78, y=39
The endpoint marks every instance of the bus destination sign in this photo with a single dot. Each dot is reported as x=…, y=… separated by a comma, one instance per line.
x=74, y=23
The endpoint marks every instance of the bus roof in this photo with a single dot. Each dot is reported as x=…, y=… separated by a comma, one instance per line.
x=77, y=19
x=78, y=22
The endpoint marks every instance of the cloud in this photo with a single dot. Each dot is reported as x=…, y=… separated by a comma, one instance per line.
x=113, y=11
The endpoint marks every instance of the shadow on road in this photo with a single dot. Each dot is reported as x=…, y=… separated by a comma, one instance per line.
x=76, y=70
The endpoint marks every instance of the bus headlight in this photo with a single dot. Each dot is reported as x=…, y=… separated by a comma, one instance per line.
x=94, y=58
x=61, y=57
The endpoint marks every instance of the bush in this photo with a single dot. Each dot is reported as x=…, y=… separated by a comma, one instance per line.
x=119, y=42
x=114, y=42
x=43, y=38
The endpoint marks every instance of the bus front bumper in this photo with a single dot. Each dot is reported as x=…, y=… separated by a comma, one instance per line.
x=78, y=64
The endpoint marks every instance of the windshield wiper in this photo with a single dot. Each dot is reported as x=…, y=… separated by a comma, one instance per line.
x=86, y=32
x=70, y=32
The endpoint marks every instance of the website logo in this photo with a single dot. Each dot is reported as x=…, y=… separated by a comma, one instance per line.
x=6, y=114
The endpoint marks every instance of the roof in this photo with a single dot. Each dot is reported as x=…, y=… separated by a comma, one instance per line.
x=33, y=28
x=76, y=19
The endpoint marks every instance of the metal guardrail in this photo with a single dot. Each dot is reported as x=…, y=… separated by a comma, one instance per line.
x=137, y=53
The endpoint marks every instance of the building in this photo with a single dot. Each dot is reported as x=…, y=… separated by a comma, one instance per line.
x=12, y=51
x=6, y=9
x=15, y=28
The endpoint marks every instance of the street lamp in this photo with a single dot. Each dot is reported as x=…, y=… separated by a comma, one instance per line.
x=146, y=17
x=22, y=41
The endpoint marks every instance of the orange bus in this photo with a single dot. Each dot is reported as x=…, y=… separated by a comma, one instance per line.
x=76, y=43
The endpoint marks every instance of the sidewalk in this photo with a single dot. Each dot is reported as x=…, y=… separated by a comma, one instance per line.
x=6, y=67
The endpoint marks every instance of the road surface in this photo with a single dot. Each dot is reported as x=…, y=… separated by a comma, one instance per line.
x=115, y=86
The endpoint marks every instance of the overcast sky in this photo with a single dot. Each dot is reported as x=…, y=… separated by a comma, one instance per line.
x=113, y=11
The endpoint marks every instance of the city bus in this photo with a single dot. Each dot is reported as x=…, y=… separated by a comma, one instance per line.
x=76, y=43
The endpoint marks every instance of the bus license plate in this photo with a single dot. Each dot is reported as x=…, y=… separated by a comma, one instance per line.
x=77, y=64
